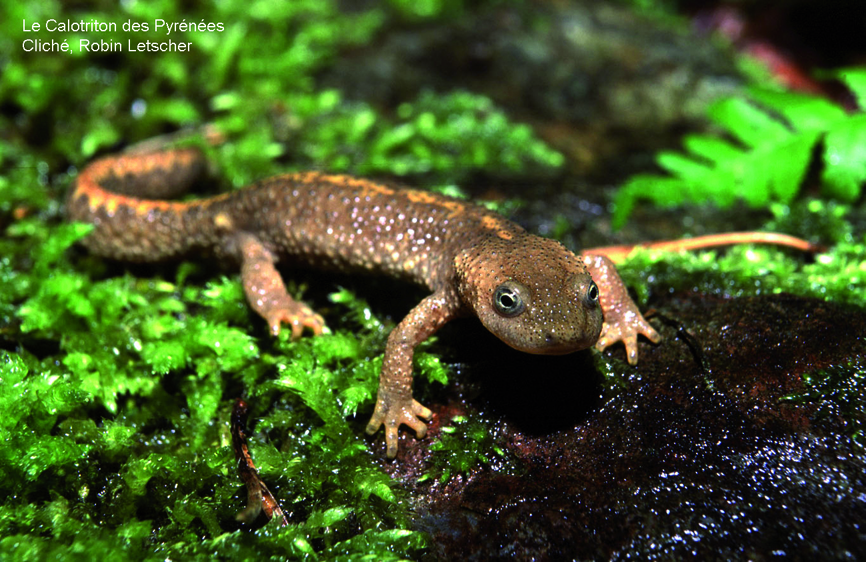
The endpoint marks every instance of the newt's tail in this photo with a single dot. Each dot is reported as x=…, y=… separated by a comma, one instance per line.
x=617, y=254
x=123, y=197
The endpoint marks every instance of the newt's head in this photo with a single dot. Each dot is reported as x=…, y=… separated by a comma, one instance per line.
x=532, y=293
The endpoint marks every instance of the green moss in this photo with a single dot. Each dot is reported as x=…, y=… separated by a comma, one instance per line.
x=67, y=536
x=427, y=9
x=95, y=424
x=442, y=138
x=33, y=399
x=159, y=465
x=837, y=274
x=465, y=446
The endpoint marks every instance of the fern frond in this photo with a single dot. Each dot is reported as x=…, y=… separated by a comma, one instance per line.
x=845, y=158
x=774, y=135
x=855, y=79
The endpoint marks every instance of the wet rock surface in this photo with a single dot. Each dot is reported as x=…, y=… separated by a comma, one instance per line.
x=701, y=449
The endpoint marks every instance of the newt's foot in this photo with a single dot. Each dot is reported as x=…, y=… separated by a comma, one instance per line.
x=295, y=314
x=626, y=328
x=394, y=414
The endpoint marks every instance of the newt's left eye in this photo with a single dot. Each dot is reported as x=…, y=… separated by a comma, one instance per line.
x=509, y=299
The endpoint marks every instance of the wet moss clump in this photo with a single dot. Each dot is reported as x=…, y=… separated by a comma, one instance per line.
x=837, y=274
x=466, y=445
x=116, y=440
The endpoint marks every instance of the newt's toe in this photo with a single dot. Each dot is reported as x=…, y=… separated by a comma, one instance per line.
x=627, y=331
x=392, y=416
x=297, y=317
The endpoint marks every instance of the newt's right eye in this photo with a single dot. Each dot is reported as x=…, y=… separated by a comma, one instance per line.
x=592, y=293
x=510, y=299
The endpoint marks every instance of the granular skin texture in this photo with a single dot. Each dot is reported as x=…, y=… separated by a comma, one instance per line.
x=531, y=292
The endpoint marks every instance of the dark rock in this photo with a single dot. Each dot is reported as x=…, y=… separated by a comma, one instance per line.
x=698, y=453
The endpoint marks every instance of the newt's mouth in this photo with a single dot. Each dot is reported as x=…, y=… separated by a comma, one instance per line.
x=552, y=345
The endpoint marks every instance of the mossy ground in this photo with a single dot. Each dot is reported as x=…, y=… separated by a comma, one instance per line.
x=116, y=383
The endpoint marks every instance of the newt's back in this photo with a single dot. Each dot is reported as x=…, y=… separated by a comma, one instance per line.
x=328, y=221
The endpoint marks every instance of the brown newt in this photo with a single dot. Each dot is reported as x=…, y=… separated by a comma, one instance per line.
x=531, y=292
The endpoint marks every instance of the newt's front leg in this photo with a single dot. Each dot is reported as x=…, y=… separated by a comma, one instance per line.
x=394, y=404
x=266, y=291
x=622, y=318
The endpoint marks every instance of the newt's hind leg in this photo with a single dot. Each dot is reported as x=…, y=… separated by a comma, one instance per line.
x=266, y=291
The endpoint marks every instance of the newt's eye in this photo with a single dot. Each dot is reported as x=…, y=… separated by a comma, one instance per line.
x=509, y=299
x=592, y=293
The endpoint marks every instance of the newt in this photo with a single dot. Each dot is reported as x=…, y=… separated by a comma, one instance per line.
x=533, y=293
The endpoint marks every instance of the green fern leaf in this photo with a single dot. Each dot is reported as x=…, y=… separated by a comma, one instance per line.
x=662, y=191
x=845, y=158
x=682, y=166
x=749, y=124
x=711, y=148
x=855, y=79
x=777, y=134
x=802, y=111
x=784, y=166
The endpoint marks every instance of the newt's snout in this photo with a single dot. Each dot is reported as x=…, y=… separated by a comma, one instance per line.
x=559, y=330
